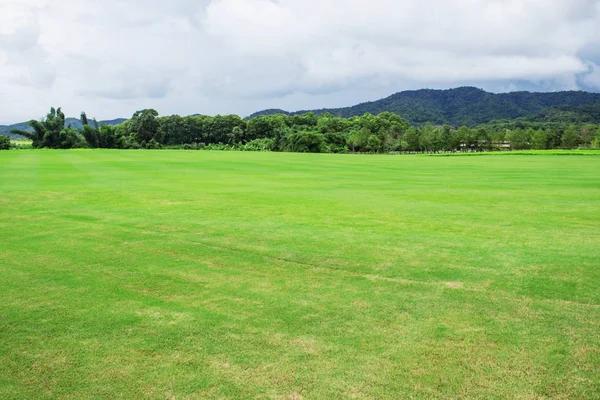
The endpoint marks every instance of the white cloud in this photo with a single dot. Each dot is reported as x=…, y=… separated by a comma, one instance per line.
x=592, y=78
x=216, y=56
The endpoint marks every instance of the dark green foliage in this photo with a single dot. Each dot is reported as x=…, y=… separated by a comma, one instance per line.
x=337, y=142
x=304, y=142
x=51, y=132
x=311, y=132
x=103, y=136
x=223, y=128
x=412, y=140
x=471, y=107
x=264, y=144
x=519, y=139
x=144, y=125
x=596, y=141
x=4, y=142
x=172, y=130
x=266, y=127
x=153, y=145
x=539, y=140
x=570, y=139
x=589, y=113
x=587, y=134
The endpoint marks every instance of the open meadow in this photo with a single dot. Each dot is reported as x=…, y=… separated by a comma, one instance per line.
x=230, y=275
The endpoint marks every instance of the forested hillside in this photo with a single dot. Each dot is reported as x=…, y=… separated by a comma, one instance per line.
x=462, y=106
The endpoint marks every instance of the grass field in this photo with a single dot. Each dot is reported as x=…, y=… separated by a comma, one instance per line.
x=172, y=274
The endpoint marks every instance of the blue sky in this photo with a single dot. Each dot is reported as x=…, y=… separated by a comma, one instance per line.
x=110, y=57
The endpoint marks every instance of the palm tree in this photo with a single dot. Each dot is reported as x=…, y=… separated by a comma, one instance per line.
x=45, y=132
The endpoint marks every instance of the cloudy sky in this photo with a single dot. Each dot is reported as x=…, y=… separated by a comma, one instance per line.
x=112, y=57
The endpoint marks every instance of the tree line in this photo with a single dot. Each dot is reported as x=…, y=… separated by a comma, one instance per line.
x=382, y=133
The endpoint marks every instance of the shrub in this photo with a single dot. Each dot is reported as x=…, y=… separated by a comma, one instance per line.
x=4, y=142
x=305, y=142
x=264, y=144
x=153, y=145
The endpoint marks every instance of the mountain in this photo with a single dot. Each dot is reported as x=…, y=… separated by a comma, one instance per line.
x=589, y=113
x=74, y=122
x=461, y=106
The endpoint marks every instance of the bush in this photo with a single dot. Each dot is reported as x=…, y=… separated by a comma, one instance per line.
x=336, y=142
x=219, y=147
x=264, y=144
x=70, y=138
x=305, y=142
x=153, y=145
x=4, y=142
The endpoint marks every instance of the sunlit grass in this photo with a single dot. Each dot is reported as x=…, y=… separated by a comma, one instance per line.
x=173, y=274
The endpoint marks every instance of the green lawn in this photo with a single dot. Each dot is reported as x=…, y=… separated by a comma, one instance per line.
x=172, y=274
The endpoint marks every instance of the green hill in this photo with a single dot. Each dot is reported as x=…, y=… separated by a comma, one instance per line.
x=461, y=106
x=589, y=113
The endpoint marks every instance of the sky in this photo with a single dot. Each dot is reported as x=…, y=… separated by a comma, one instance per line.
x=113, y=57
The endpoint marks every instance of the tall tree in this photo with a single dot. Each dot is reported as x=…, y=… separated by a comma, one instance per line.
x=447, y=138
x=570, y=139
x=483, y=140
x=412, y=140
x=144, y=125
x=49, y=132
x=587, y=134
x=596, y=141
x=539, y=140
x=518, y=139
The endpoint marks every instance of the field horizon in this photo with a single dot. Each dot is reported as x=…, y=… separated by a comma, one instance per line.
x=234, y=275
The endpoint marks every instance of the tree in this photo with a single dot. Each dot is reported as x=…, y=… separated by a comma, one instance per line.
x=305, y=142
x=4, y=142
x=236, y=135
x=467, y=138
x=483, y=140
x=353, y=141
x=336, y=142
x=172, y=129
x=518, y=139
x=412, y=140
x=539, y=140
x=144, y=125
x=194, y=130
x=553, y=140
x=265, y=127
x=90, y=134
x=426, y=138
x=107, y=136
x=456, y=140
x=587, y=134
x=69, y=138
x=498, y=137
x=44, y=131
x=596, y=141
x=373, y=144
x=305, y=120
x=219, y=129
x=153, y=145
x=330, y=124
x=447, y=138
x=51, y=132
x=570, y=139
